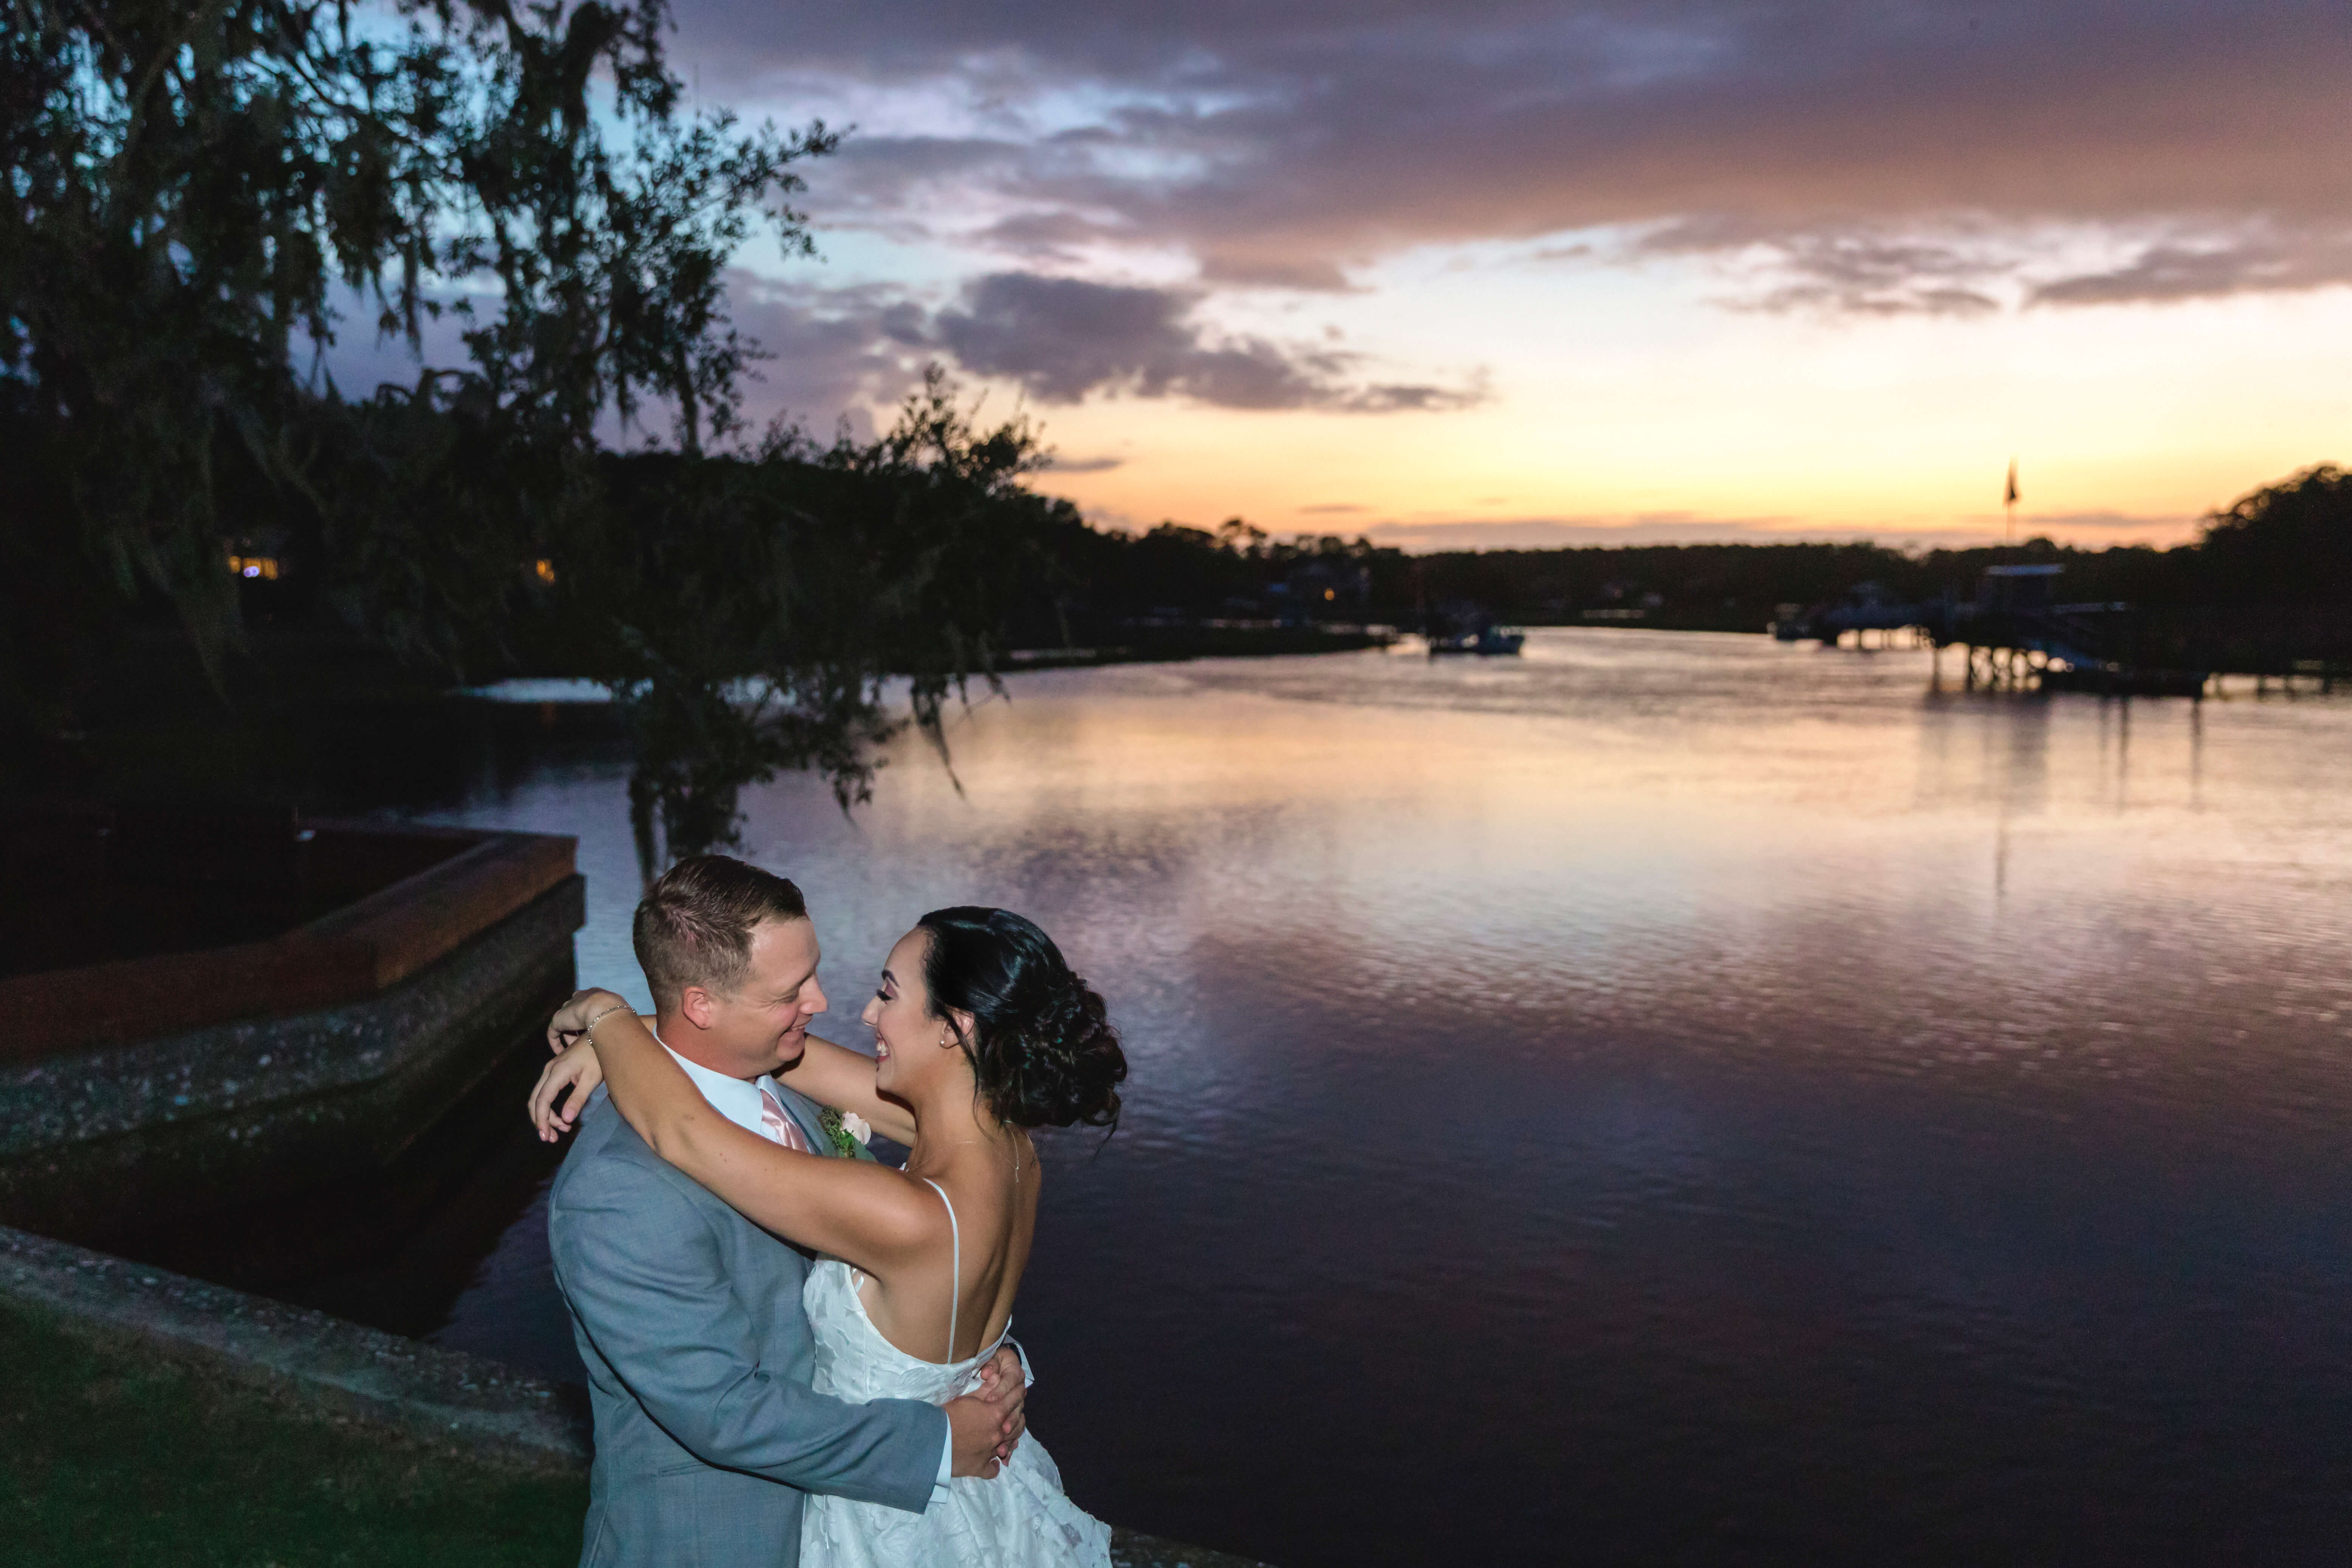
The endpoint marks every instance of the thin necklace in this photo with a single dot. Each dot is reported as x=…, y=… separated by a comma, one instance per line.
x=1014, y=1141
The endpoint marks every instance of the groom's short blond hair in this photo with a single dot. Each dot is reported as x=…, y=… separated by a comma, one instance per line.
x=694, y=925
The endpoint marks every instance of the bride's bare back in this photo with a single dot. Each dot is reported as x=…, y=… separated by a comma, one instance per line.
x=992, y=1187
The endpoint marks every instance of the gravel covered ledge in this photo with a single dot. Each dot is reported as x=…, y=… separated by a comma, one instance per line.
x=347, y=1371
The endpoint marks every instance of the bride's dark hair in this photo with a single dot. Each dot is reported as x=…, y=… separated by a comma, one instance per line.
x=1042, y=1051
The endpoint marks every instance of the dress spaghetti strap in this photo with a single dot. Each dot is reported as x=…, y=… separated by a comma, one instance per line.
x=955, y=1279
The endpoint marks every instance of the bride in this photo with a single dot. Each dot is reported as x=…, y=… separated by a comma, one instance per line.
x=981, y=1032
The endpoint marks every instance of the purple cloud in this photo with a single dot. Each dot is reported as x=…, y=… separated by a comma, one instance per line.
x=1284, y=146
x=1063, y=339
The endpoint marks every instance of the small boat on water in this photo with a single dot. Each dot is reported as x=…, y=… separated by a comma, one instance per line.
x=1464, y=625
x=1485, y=641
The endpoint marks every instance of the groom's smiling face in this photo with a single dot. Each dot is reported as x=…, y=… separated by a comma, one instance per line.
x=762, y=1024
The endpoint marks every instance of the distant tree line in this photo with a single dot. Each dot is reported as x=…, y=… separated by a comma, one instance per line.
x=2283, y=548
x=1096, y=583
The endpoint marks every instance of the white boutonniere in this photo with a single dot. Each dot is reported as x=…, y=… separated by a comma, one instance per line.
x=847, y=1132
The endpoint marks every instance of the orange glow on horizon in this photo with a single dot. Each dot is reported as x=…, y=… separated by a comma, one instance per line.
x=2128, y=424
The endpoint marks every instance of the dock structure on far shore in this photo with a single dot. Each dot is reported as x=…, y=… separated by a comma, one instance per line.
x=2017, y=634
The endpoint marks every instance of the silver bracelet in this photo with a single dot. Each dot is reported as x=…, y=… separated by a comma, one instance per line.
x=588, y=1029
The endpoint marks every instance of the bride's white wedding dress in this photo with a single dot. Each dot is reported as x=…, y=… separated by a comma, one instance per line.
x=1020, y=1519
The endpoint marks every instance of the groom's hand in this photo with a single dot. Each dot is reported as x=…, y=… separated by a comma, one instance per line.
x=983, y=1426
x=1005, y=1368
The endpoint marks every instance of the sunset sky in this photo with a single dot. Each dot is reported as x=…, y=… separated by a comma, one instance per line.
x=1480, y=273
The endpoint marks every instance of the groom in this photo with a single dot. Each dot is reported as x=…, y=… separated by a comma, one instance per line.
x=687, y=1315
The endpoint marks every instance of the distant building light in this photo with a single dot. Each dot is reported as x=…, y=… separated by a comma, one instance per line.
x=261, y=566
x=543, y=570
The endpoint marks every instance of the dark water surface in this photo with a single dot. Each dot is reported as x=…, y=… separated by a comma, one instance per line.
x=1668, y=1098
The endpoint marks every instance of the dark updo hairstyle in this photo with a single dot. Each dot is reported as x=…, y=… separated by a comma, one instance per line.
x=1042, y=1051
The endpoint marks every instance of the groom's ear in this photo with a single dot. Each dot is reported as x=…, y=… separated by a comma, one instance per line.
x=698, y=1005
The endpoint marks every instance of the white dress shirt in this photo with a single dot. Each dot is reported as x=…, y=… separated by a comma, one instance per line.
x=738, y=1100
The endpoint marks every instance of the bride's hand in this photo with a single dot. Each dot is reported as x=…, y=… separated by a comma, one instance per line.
x=576, y=1070
x=571, y=1019
x=575, y=1067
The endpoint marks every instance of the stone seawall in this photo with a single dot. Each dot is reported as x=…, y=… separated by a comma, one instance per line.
x=355, y=1373
x=94, y=1140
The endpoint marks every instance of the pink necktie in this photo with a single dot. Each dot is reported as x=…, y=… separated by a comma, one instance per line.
x=780, y=1126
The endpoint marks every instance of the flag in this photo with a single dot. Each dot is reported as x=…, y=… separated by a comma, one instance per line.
x=2009, y=499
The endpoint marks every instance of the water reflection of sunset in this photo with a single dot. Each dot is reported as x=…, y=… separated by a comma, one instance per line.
x=1954, y=881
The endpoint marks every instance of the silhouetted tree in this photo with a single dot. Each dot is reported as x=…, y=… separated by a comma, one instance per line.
x=2288, y=543
x=196, y=190
x=197, y=194
x=753, y=613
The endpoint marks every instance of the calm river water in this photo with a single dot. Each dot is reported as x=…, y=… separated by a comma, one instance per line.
x=1664, y=1098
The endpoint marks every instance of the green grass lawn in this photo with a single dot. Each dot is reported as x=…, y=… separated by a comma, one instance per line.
x=107, y=1457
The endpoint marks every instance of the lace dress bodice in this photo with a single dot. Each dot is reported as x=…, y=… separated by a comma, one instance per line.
x=854, y=1362
x=1022, y=1518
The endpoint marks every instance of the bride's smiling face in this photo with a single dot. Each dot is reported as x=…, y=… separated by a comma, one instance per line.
x=911, y=1044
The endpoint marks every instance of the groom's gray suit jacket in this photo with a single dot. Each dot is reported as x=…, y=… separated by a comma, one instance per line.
x=689, y=1317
